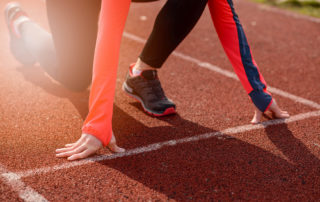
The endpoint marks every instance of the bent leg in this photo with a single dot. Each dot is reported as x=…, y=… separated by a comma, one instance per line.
x=173, y=23
x=74, y=25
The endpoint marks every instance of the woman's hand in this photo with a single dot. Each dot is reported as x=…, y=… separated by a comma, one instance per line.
x=86, y=146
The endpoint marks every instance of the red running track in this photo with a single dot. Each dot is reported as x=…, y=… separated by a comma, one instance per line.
x=280, y=162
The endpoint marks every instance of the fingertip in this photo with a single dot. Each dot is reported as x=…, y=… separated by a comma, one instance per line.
x=58, y=155
x=117, y=149
x=69, y=145
x=71, y=158
x=61, y=150
x=74, y=157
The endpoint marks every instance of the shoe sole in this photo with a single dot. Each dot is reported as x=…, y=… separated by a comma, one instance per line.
x=167, y=112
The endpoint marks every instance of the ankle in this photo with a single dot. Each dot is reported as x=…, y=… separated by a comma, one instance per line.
x=140, y=65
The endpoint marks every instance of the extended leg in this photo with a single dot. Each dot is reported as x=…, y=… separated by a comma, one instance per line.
x=67, y=53
x=40, y=45
x=29, y=42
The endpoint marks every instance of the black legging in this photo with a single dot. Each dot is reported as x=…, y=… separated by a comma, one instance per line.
x=174, y=22
x=67, y=54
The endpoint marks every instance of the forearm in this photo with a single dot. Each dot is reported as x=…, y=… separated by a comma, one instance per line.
x=236, y=46
x=111, y=24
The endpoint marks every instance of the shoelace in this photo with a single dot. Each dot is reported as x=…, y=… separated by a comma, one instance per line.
x=153, y=88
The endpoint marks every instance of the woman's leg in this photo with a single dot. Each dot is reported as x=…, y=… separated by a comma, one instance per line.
x=74, y=25
x=40, y=45
x=174, y=22
x=67, y=53
x=29, y=42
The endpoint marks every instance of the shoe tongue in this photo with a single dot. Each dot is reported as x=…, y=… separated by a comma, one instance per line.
x=149, y=74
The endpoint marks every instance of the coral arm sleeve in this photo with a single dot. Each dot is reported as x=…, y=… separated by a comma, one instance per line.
x=111, y=24
x=236, y=46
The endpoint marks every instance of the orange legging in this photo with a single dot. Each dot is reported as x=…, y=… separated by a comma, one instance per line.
x=111, y=24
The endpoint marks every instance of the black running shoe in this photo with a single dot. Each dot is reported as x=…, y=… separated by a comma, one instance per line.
x=146, y=88
x=17, y=47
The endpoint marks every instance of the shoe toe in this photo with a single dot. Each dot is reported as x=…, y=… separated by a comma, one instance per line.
x=162, y=106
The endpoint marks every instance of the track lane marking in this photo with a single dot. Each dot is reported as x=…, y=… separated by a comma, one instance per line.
x=156, y=146
x=28, y=194
x=229, y=74
x=24, y=192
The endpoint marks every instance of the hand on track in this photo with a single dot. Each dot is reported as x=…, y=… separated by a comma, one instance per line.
x=276, y=111
x=86, y=146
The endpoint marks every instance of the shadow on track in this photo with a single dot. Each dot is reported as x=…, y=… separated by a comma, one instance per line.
x=38, y=77
x=227, y=169
x=217, y=168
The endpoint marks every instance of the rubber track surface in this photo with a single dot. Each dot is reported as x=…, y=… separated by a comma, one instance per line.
x=280, y=162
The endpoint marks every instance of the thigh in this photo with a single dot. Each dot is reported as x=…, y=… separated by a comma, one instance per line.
x=74, y=25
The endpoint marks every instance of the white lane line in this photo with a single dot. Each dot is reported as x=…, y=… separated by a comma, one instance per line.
x=294, y=97
x=315, y=144
x=289, y=13
x=229, y=74
x=153, y=147
x=14, y=181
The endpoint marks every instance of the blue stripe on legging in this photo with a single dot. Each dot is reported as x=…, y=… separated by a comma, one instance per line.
x=258, y=96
